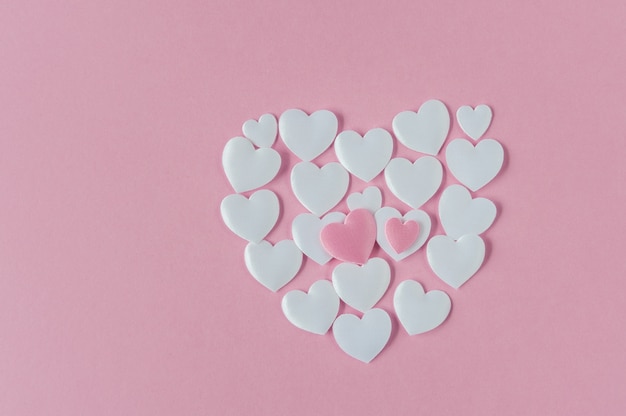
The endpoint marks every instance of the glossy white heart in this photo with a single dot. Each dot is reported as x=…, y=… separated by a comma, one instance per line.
x=474, y=121
x=251, y=219
x=362, y=286
x=306, y=229
x=363, y=338
x=473, y=166
x=385, y=214
x=314, y=311
x=319, y=189
x=248, y=168
x=307, y=136
x=273, y=266
x=455, y=262
x=263, y=132
x=418, y=311
x=370, y=199
x=365, y=157
x=414, y=183
x=460, y=214
x=424, y=131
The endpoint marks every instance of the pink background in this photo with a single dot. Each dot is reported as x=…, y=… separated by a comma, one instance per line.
x=122, y=293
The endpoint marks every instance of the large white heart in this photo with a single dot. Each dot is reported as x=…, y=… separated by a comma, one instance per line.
x=246, y=167
x=455, y=262
x=306, y=229
x=263, y=132
x=474, y=121
x=307, y=136
x=418, y=311
x=319, y=189
x=273, y=266
x=414, y=183
x=314, y=311
x=460, y=214
x=365, y=157
x=362, y=286
x=251, y=219
x=424, y=131
x=363, y=338
x=385, y=214
x=370, y=199
x=473, y=166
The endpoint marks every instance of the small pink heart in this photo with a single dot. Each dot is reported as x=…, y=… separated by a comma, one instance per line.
x=353, y=240
x=401, y=236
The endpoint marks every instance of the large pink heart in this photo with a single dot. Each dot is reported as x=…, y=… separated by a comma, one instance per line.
x=353, y=240
x=401, y=236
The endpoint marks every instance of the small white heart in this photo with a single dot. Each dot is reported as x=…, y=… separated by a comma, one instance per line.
x=313, y=312
x=362, y=286
x=385, y=214
x=319, y=189
x=473, y=166
x=307, y=136
x=370, y=199
x=460, y=214
x=424, y=131
x=414, y=183
x=455, y=262
x=251, y=219
x=417, y=311
x=363, y=338
x=248, y=168
x=474, y=122
x=263, y=132
x=306, y=229
x=365, y=157
x=273, y=266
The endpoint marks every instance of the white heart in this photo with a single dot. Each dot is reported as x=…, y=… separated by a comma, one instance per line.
x=307, y=136
x=315, y=311
x=365, y=157
x=473, y=166
x=362, y=286
x=424, y=131
x=363, y=338
x=251, y=219
x=306, y=229
x=385, y=214
x=263, y=132
x=417, y=311
x=414, y=183
x=455, y=261
x=370, y=199
x=319, y=189
x=273, y=266
x=474, y=122
x=460, y=214
x=248, y=168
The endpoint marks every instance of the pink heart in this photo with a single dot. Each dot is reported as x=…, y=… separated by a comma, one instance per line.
x=353, y=240
x=401, y=236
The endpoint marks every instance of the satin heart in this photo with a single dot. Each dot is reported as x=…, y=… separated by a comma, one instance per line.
x=473, y=166
x=365, y=157
x=263, y=132
x=251, y=219
x=353, y=240
x=371, y=199
x=474, y=121
x=363, y=338
x=385, y=213
x=424, y=131
x=248, y=168
x=400, y=235
x=307, y=136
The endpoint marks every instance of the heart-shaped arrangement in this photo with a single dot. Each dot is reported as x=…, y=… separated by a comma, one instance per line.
x=360, y=280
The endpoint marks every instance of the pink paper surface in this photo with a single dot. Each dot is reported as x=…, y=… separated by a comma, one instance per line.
x=123, y=293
